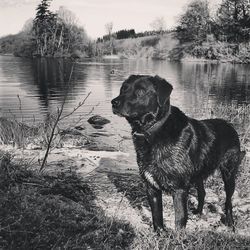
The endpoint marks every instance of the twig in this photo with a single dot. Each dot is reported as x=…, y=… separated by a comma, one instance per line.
x=81, y=117
x=76, y=108
x=59, y=113
x=20, y=107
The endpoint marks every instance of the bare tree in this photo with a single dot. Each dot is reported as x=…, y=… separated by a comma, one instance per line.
x=67, y=16
x=159, y=24
x=67, y=21
x=28, y=26
x=109, y=28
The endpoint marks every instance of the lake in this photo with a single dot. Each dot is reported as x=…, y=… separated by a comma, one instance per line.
x=32, y=88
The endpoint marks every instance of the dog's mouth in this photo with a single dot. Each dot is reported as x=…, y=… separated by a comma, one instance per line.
x=122, y=113
x=119, y=112
x=116, y=112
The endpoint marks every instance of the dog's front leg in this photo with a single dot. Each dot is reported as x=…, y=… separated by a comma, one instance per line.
x=155, y=202
x=180, y=206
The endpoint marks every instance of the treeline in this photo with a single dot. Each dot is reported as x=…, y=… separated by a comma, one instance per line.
x=121, y=34
x=125, y=34
x=49, y=34
x=230, y=23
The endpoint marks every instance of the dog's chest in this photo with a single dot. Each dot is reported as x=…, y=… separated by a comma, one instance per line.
x=157, y=165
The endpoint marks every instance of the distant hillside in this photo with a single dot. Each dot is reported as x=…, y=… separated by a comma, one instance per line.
x=18, y=44
x=151, y=47
x=168, y=47
x=7, y=44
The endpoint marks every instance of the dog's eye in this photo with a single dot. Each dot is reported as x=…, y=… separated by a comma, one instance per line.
x=140, y=92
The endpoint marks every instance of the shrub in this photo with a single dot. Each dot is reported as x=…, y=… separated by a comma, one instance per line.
x=150, y=41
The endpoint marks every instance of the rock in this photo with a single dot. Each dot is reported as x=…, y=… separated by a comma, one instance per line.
x=98, y=121
x=97, y=126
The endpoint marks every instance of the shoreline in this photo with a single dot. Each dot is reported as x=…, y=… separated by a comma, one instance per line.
x=188, y=59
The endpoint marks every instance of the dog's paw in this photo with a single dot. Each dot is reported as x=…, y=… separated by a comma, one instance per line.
x=228, y=221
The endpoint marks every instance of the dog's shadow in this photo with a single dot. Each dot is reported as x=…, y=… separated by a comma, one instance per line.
x=131, y=186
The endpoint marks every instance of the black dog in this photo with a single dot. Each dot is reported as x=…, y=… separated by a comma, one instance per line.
x=175, y=151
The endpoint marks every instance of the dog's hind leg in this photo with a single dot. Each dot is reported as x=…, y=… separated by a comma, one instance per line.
x=229, y=183
x=228, y=171
x=201, y=196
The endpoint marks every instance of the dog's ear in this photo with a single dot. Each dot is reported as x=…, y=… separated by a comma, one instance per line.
x=163, y=89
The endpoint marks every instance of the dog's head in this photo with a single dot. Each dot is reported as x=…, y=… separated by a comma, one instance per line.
x=141, y=95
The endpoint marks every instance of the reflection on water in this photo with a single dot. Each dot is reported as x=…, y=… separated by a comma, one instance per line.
x=42, y=83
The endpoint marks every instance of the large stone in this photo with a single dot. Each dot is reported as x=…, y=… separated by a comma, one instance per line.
x=98, y=121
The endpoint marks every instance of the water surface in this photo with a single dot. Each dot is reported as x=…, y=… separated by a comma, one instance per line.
x=32, y=88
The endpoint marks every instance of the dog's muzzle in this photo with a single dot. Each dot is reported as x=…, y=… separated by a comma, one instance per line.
x=116, y=106
x=116, y=103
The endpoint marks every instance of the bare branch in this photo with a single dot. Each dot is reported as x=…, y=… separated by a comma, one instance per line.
x=80, y=104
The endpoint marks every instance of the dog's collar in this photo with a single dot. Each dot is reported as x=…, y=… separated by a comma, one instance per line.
x=149, y=133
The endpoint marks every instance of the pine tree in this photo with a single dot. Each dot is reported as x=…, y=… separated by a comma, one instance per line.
x=44, y=27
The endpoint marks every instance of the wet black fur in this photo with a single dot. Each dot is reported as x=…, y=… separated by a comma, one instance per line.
x=182, y=152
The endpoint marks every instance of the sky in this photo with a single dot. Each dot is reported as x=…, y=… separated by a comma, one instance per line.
x=94, y=14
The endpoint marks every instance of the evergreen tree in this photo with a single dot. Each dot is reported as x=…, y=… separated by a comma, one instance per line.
x=44, y=28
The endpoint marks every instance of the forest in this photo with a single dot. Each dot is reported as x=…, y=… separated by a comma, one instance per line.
x=200, y=32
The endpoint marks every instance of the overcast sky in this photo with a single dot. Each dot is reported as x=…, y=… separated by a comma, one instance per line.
x=94, y=14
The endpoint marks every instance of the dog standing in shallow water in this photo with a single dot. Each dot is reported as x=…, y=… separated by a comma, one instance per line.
x=174, y=151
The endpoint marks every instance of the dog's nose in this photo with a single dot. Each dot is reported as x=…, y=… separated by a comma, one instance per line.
x=115, y=102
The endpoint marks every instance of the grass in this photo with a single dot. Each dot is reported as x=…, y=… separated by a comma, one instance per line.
x=15, y=133
x=192, y=241
x=53, y=212
x=21, y=135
